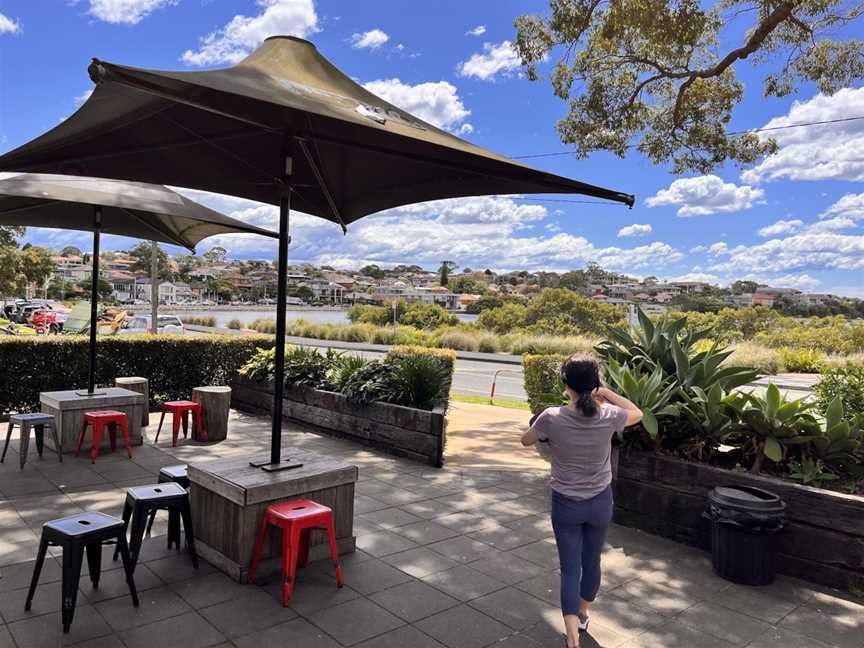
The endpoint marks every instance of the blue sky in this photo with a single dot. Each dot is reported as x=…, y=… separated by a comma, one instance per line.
x=793, y=220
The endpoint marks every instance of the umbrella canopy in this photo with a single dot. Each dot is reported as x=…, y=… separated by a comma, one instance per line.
x=130, y=209
x=283, y=125
x=127, y=208
x=354, y=153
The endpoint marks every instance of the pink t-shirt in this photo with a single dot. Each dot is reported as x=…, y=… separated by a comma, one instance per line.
x=581, y=447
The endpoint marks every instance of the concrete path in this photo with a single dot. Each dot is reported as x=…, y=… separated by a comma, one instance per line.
x=462, y=557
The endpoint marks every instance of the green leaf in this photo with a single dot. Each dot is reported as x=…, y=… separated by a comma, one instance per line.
x=772, y=399
x=834, y=413
x=773, y=450
x=649, y=422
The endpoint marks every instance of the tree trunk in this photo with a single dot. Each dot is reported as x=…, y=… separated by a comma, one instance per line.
x=215, y=403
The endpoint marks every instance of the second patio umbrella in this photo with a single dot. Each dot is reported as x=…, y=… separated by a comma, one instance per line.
x=98, y=205
x=282, y=125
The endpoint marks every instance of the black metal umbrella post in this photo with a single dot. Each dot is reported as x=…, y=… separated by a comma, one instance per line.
x=94, y=300
x=286, y=127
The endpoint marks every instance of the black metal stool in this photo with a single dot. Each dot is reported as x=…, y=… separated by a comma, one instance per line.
x=38, y=422
x=142, y=500
x=74, y=534
x=176, y=474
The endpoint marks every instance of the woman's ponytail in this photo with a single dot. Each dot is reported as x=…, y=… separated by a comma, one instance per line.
x=586, y=403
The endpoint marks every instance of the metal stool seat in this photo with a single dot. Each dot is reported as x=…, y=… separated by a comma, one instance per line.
x=142, y=500
x=75, y=534
x=36, y=421
x=180, y=412
x=176, y=474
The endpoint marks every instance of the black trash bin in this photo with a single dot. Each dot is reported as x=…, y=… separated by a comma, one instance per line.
x=744, y=524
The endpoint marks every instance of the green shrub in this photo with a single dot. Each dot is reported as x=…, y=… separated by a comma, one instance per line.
x=548, y=344
x=802, y=360
x=488, y=343
x=459, y=340
x=235, y=324
x=418, y=380
x=264, y=325
x=427, y=316
x=383, y=335
x=173, y=364
x=342, y=370
x=847, y=384
x=503, y=319
x=199, y=320
x=542, y=376
x=365, y=314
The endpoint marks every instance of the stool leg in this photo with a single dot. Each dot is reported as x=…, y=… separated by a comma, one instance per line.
x=175, y=428
x=303, y=557
x=173, y=528
x=8, y=437
x=290, y=542
x=112, y=436
x=73, y=556
x=136, y=535
x=186, y=514
x=127, y=513
x=57, y=445
x=150, y=522
x=37, y=569
x=23, y=444
x=94, y=561
x=128, y=567
x=124, y=429
x=256, y=552
x=81, y=438
x=159, y=429
x=97, y=440
x=39, y=433
x=334, y=551
x=185, y=423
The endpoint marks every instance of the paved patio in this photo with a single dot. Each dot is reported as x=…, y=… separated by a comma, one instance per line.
x=461, y=557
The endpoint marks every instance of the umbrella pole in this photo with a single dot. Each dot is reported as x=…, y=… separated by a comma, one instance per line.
x=94, y=301
x=275, y=462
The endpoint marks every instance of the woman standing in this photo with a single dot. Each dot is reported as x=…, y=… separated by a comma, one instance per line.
x=579, y=435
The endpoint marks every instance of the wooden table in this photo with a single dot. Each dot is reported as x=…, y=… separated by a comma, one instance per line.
x=228, y=498
x=68, y=408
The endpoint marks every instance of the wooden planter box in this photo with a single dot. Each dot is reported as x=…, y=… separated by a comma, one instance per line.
x=824, y=538
x=401, y=431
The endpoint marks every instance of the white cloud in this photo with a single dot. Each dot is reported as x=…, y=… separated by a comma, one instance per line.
x=824, y=152
x=805, y=250
x=695, y=275
x=705, y=195
x=242, y=34
x=372, y=39
x=698, y=248
x=832, y=224
x=801, y=281
x=634, y=230
x=718, y=248
x=126, y=12
x=8, y=25
x=500, y=58
x=479, y=30
x=435, y=102
x=781, y=227
x=849, y=206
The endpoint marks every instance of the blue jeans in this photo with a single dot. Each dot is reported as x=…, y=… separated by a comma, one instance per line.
x=580, y=530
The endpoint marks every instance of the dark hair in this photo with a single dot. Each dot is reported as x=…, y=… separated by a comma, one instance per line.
x=581, y=373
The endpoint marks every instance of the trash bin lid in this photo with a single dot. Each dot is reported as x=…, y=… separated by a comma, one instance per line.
x=746, y=498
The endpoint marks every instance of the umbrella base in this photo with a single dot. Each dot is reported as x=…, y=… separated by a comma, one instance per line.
x=84, y=392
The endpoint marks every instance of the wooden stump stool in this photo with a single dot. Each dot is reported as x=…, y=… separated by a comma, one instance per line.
x=142, y=386
x=215, y=403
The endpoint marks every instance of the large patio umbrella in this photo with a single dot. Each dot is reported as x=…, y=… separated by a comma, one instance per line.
x=282, y=125
x=115, y=207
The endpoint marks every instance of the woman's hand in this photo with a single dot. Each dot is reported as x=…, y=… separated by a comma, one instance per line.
x=634, y=414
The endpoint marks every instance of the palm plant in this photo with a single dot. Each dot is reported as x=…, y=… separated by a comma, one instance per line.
x=712, y=416
x=420, y=381
x=340, y=373
x=651, y=392
x=775, y=423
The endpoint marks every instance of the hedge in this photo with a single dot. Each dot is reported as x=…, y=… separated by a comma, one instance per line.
x=173, y=364
x=542, y=376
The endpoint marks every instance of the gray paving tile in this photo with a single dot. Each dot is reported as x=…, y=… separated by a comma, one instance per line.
x=298, y=632
x=47, y=630
x=833, y=621
x=106, y=641
x=501, y=537
x=723, y=623
x=426, y=532
x=402, y=638
x=674, y=634
x=466, y=521
x=45, y=601
x=177, y=566
x=656, y=596
x=464, y=627
x=6, y=638
x=462, y=549
x=207, y=590
x=546, y=586
x=389, y=518
x=515, y=608
x=155, y=605
x=420, y=562
x=355, y=621
x=313, y=591
x=18, y=576
x=542, y=552
x=536, y=526
x=755, y=602
x=413, y=600
x=188, y=630
x=782, y=638
x=254, y=611
x=373, y=576
x=427, y=509
x=506, y=568
x=383, y=543
x=463, y=583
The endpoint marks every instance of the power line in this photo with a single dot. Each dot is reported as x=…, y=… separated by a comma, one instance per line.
x=741, y=132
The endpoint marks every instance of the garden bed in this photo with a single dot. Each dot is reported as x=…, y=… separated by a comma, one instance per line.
x=402, y=431
x=823, y=542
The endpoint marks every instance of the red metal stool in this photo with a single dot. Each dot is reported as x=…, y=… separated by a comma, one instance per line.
x=296, y=518
x=99, y=420
x=180, y=411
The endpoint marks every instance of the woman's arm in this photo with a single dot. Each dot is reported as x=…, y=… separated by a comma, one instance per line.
x=634, y=414
x=530, y=437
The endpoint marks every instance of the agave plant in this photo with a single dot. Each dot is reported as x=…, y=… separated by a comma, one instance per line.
x=840, y=443
x=340, y=373
x=713, y=415
x=651, y=392
x=704, y=369
x=810, y=471
x=420, y=381
x=775, y=423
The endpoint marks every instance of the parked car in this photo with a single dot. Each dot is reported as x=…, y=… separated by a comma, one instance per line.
x=141, y=324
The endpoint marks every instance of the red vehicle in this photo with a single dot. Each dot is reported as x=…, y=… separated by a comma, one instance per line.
x=44, y=320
